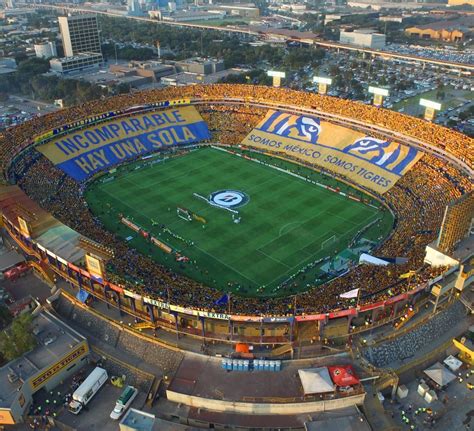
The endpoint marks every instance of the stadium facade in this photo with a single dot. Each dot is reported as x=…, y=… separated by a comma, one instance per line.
x=407, y=152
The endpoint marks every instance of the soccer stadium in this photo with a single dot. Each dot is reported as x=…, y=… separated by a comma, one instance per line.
x=239, y=213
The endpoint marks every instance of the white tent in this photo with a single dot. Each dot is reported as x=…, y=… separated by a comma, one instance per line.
x=372, y=260
x=452, y=363
x=440, y=374
x=316, y=380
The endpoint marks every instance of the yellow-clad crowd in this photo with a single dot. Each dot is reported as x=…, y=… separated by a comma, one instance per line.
x=418, y=199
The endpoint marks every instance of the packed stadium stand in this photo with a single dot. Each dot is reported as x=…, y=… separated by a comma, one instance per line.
x=231, y=112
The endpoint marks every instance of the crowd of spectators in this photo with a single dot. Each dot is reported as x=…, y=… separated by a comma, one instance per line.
x=394, y=352
x=14, y=139
x=418, y=199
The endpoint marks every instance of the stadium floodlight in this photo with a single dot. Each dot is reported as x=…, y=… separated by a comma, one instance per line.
x=430, y=108
x=430, y=104
x=378, y=90
x=277, y=77
x=323, y=83
x=379, y=93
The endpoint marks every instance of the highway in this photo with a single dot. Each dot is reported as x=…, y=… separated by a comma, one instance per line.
x=462, y=67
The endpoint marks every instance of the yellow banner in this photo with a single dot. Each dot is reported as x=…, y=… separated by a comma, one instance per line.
x=40, y=379
x=95, y=266
x=102, y=135
x=370, y=162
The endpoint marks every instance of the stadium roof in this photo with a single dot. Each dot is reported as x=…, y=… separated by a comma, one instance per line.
x=46, y=230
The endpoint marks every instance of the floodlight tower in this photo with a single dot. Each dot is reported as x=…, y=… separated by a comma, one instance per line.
x=323, y=83
x=277, y=77
x=430, y=108
x=379, y=93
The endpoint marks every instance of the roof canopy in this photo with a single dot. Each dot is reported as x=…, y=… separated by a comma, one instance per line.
x=316, y=380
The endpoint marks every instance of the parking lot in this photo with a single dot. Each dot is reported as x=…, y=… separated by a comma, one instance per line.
x=94, y=416
x=16, y=110
x=453, y=99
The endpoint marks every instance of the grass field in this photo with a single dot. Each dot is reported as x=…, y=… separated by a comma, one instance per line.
x=287, y=222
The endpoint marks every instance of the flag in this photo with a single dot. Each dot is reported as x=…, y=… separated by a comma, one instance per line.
x=351, y=294
x=407, y=274
x=223, y=300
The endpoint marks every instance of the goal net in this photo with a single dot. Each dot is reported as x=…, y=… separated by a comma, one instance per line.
x=184, y=214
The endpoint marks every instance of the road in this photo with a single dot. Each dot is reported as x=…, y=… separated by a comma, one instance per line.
x=469, y=68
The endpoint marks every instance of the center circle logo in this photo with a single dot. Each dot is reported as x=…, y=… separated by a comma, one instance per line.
x=229, y=198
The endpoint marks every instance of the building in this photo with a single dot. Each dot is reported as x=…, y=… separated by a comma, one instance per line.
x=243, y=10
x=376, y=5
x=391, y=18
x=153, y=70
x=458, y=222
x=7, y=65
x=452, y=31
x=45, y=50
x=461, y=2
x=200, y=66
x=75, y=63
x=60, y=353
x=134, y=8
x=189, y=16
x=136, y=420
x=365, y=38
x=80, y=34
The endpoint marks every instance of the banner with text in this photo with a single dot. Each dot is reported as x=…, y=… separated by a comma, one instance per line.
x=373, y=163
x=87, y=151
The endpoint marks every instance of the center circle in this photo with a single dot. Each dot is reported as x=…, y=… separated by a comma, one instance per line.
x=229, y=198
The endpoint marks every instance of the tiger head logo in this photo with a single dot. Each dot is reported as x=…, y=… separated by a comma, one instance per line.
x=305, y=128
x=375, y=150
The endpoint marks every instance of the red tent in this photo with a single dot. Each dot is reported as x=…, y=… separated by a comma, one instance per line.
x=242, y=348
x=343, y=375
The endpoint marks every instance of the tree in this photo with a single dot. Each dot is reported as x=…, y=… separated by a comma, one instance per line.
x=5, y=316
x=33, y=66
x=440, y=93
x=18, y=338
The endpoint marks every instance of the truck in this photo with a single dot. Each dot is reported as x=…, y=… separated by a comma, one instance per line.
x=124, y=402
x=86, y=391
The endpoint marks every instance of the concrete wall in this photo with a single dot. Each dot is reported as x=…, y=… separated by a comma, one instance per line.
x=264, y=408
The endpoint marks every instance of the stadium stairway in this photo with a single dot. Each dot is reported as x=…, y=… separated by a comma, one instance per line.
x=282, y=350
x=143, y=325
x=153, y=392
x=467, y=303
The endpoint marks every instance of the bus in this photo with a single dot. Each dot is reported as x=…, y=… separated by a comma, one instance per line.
x=89, y=387
x=124, y=402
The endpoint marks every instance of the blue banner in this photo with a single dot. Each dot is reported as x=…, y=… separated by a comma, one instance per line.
x=88, y=151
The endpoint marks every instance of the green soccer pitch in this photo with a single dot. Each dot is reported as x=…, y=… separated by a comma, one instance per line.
x=287, y=223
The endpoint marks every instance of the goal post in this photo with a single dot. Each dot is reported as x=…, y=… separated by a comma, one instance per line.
x=328, y=242
x=184, y=214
